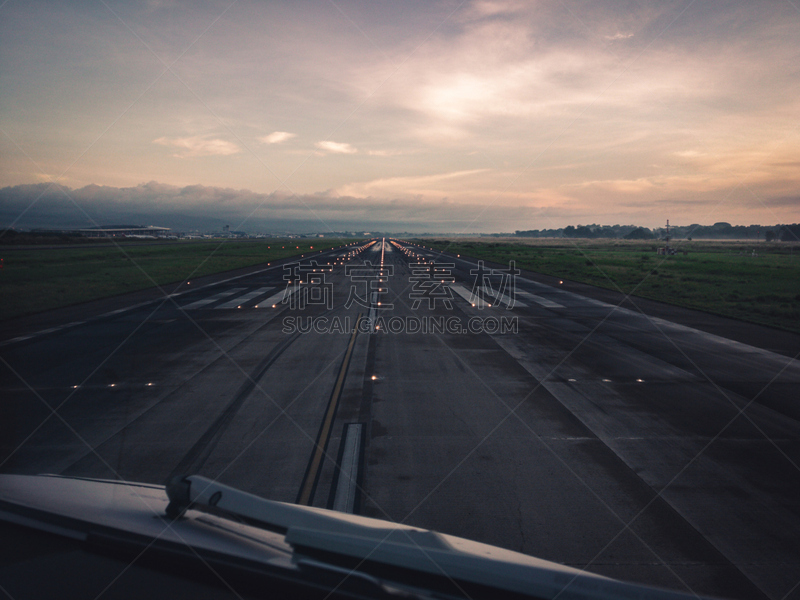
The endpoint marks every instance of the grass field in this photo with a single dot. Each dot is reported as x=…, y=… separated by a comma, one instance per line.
x=719, y=277
x=35, y=279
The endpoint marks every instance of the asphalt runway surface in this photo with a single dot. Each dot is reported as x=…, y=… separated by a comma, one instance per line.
x=392, y=381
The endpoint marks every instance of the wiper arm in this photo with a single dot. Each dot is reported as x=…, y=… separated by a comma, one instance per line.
x=395, y=550
x=197, y=492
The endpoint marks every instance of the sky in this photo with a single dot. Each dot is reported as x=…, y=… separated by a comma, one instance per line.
x=462, y=117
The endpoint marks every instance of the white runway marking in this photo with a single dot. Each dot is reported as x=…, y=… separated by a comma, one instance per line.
x=504, y=300
x=276, y=299
x=242, y=299
x=539, y=300
x=467, y=295
x=214, y=298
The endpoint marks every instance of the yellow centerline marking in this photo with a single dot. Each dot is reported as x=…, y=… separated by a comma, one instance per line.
x=304, y=498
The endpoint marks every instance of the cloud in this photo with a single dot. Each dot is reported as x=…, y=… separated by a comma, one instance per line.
x=386, y=152
x=689, y=153
x=208, y=208
x=277, y=137
x=409, y=186
x=623, y=186
x=789, y=164
x=485, y=8
x=336, y=147
x=199, y=146
x=783, y=202
x=619, y=36
x=199, y=206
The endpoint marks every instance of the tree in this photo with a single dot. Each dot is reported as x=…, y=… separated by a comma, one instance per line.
x=640, y=233
x=790, y=233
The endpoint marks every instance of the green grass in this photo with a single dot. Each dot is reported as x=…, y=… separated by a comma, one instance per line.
x=36, y=279
x=718, y=277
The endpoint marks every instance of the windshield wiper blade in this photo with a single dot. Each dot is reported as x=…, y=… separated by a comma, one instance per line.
x=394, y=551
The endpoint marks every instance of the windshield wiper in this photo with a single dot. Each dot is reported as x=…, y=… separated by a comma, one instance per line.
x=396, y=552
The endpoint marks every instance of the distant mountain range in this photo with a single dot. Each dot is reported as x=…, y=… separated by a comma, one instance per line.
x=49, y=206
x=210, y=209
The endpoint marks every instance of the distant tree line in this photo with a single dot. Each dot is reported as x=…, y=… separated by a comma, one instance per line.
x=717, y=231
x=11, y=237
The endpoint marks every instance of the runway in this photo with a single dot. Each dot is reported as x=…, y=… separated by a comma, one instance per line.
x=477, y=400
